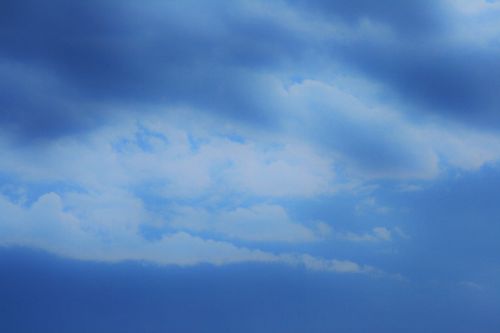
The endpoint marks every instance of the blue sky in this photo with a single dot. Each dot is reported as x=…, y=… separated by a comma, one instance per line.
x=250, y=166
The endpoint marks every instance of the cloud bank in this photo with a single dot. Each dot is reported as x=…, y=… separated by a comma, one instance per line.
x=188, y=132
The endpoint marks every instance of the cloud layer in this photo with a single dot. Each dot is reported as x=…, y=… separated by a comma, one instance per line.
x=193, y=132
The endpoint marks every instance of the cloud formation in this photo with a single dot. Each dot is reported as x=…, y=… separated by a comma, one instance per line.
x=84, y=63
x=47, y=225
x=194, y=129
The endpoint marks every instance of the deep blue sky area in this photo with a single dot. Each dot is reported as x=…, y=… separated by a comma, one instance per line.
x=250, y=166
x=74, y=296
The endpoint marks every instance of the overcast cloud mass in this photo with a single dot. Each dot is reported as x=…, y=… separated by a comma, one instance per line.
x=331, y=162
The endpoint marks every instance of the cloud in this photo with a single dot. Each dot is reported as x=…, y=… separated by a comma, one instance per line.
x=95, y=58
x=437, y=80
x=207, y=124
x=412, y=17
x=132, y=156
x=45, y=225
x=381, y=142
x=259, y=223
x=86, y=64
x=203, y=181
x=371, y=205
x=471, y=285
x=48, y=225
x=378, y=234
x=345, y=128
x=362, y=82
x=340, y=266
x=168, y=179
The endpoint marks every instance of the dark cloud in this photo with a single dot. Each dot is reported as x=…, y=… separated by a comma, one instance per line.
x=66, y=66
x=374, y=148
x=435, y=77
x=89, y=55
x=426, y=69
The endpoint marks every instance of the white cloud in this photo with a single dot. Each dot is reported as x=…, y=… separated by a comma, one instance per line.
x=374, y=141
x=43, y=225
x=465, y=149
x=370, y=204
x=262, y=222
x=210, y=181
x=378, y=234
x=47, y=225
x=473, y=7
x=471, y=285
x=325, y=126
x=115, y=157
x=288, y=171
x=340, y=266
x=105, y=170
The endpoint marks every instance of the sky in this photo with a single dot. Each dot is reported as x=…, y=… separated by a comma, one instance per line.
x=249, y=166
